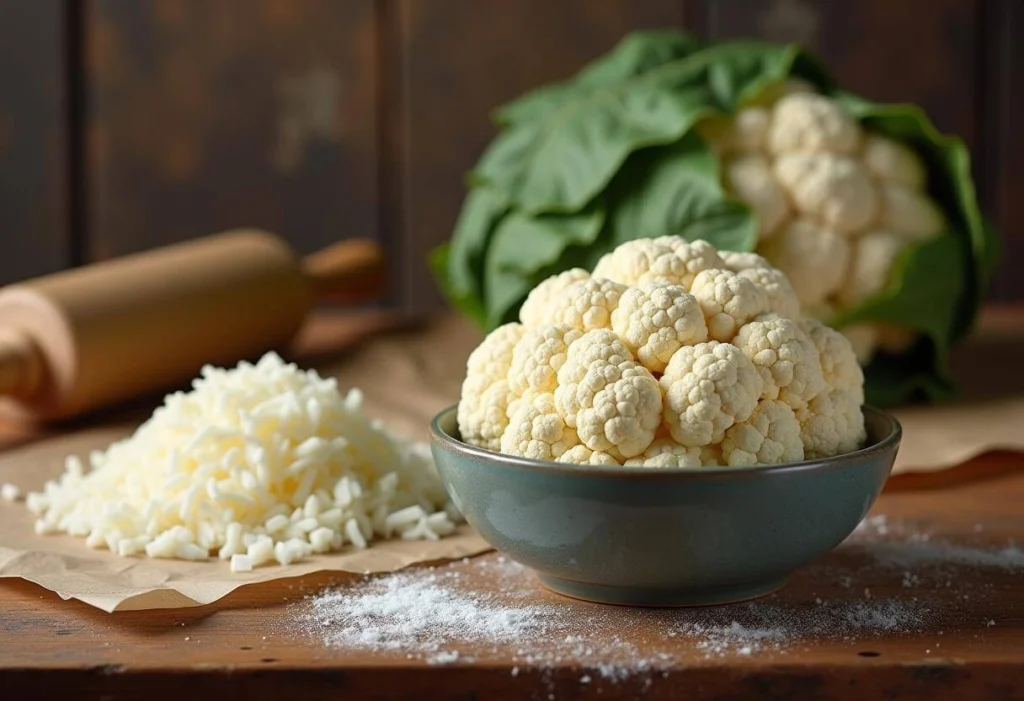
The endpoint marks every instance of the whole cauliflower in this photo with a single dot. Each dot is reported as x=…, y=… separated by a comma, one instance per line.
x=686, y=358
x=835, y=204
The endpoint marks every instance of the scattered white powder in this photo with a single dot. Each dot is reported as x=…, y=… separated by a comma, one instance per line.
x=258, y=463
x=422, y=611
x=935, y=552
x=493, y=609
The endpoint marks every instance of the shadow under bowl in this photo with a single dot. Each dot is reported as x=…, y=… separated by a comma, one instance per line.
x=663, y=537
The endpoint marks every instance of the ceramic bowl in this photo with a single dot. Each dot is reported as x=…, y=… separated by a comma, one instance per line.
x=663, y=537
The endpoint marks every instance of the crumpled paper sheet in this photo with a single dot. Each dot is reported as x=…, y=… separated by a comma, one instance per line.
x=400, y=377
x=408, y=374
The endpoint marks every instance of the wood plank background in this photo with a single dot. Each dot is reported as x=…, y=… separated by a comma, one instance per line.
x=127, y=124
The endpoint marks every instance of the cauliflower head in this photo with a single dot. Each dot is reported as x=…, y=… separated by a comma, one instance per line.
x=835, y=203
x=674, y=356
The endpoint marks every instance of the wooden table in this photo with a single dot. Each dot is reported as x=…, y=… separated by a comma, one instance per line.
x=969, y=645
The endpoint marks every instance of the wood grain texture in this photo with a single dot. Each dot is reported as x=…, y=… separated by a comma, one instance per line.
x=33, y=148
x=459, y=60
x=206, y=116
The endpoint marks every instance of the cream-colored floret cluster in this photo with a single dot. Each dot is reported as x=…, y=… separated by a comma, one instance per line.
x=835, y=204
x=671, y=354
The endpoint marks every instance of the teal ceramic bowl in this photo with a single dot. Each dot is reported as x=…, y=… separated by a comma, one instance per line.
x=663, y=537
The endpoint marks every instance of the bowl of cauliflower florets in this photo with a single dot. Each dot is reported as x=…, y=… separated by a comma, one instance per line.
x=668, y=429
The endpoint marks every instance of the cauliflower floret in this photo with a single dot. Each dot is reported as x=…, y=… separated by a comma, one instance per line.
x=910, y=213
x=667, y=453
x=727, y=301
x=620, y=408
x=870, y=266
x=813, y=257
x=769, y=437
x=535, y=430
x=483, y=418
x=655, y=319
x=809, y=122
x=785, y=358
x=537, y=357
x=601, y=345
x=751, y=179
x=839, y=366
x=832, y=424
x=534, y=309
x=893, y=162
x=493, y=357
x=863, y=339
x=582, y=455
x=737, y=261
x=776, y=286
x=708, y=387
x=585, y=305
x=748, y=130
x=834, y=189
x=668, y=258
x=485, y=392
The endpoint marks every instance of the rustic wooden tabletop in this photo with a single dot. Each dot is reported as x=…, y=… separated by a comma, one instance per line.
x=923, y=602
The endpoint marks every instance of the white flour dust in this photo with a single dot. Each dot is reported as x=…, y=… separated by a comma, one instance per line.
x=421, y=609
x=889, y=578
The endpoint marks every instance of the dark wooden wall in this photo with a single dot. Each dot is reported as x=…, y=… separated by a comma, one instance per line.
x=127, y=124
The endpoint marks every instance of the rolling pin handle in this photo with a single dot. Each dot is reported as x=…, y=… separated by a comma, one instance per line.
x=349, y=271
x=21, y=365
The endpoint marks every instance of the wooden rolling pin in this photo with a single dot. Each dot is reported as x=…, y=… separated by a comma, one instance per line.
x=89, y=337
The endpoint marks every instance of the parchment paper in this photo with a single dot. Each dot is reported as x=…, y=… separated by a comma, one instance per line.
x=406, y=396
x=408, y=374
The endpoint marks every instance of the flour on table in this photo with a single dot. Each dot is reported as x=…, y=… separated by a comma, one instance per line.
x=489, y=608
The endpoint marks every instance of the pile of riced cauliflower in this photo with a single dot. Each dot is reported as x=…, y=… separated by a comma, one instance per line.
x=670, y=354
x=836, y=205
x=262, y=463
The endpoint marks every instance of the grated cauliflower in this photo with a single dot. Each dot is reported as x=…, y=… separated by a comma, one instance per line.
x=688, y=358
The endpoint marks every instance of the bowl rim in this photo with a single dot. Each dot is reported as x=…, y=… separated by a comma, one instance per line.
x=888, y=443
